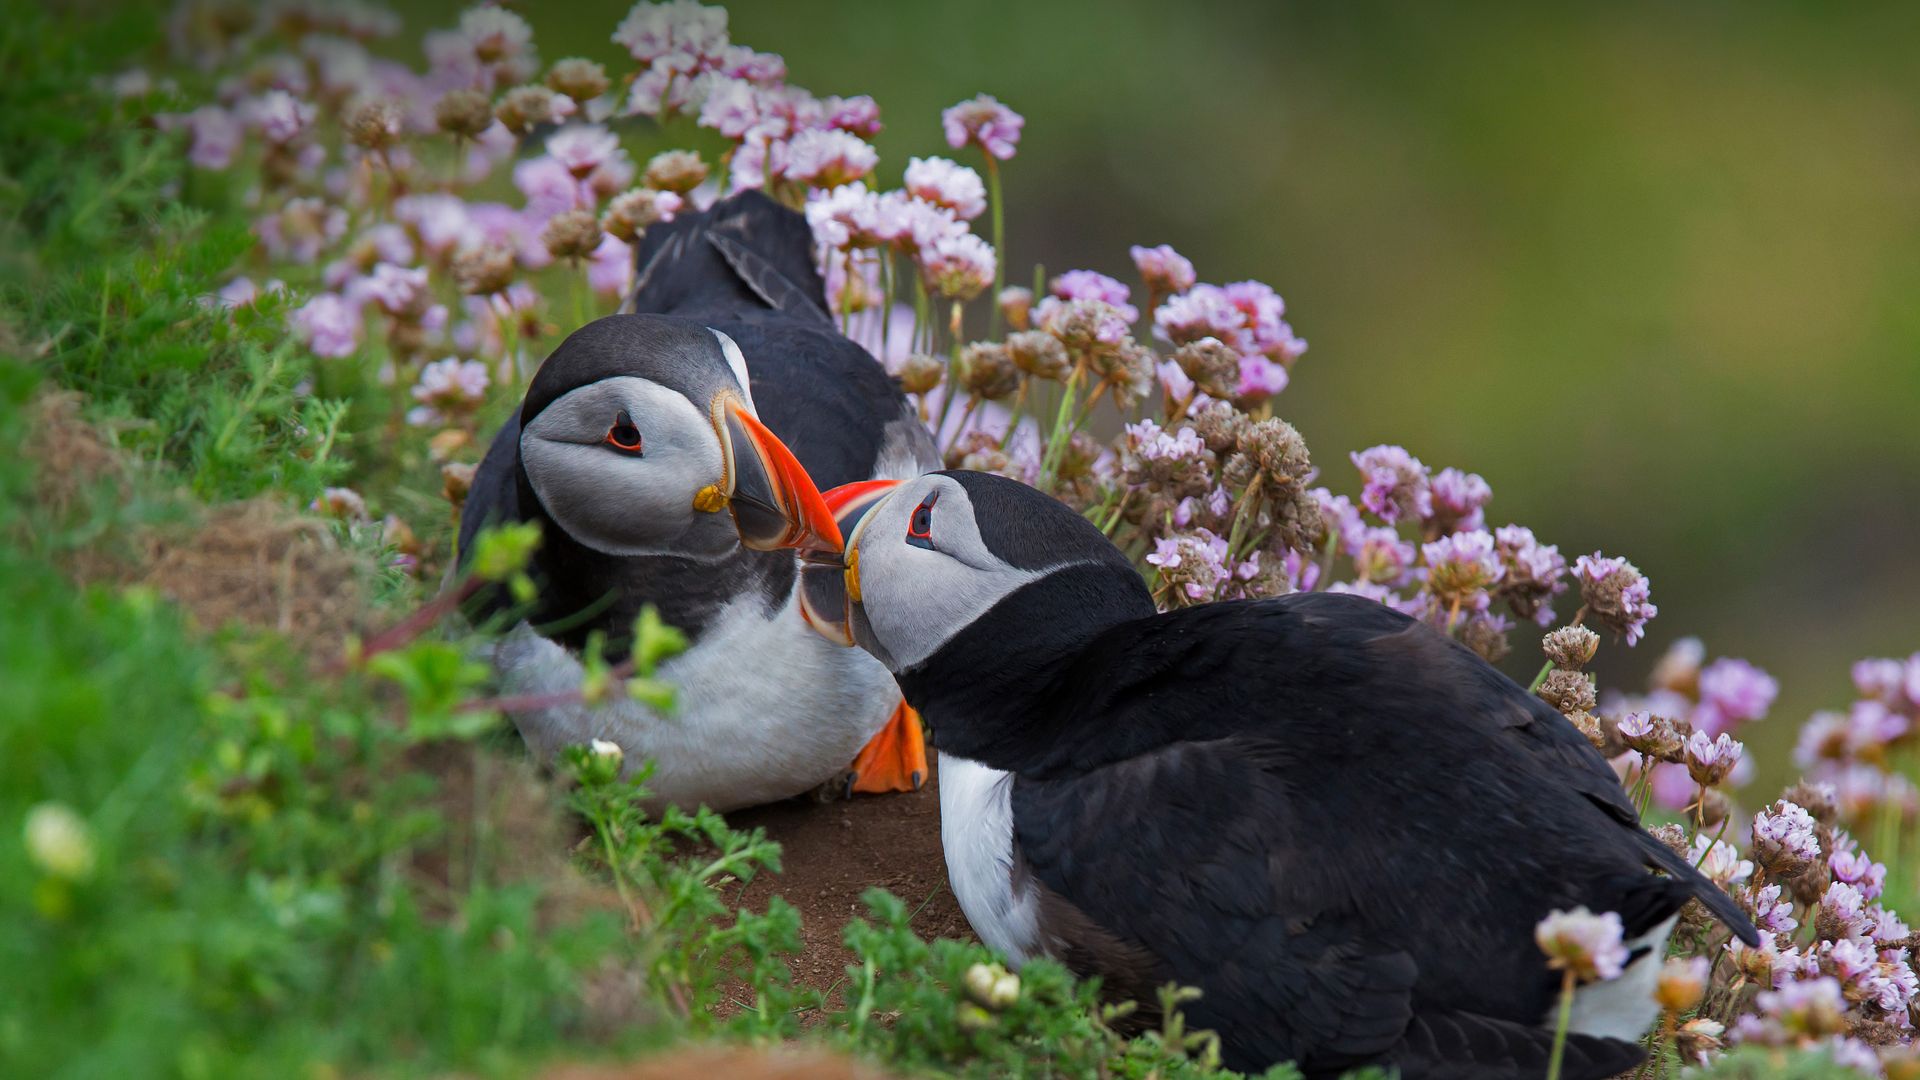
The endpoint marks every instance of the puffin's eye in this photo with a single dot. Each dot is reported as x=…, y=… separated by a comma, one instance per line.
x=623, y=436
x=920, y=525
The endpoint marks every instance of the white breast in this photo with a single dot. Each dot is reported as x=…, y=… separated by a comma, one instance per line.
x=767, y=708
x=976, y=832
x=1623, y=1007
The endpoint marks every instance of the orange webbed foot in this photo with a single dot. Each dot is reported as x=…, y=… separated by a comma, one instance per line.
x=895, y=759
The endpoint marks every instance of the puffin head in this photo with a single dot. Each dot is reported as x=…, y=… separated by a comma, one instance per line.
x=639, y=430
x=925, y=559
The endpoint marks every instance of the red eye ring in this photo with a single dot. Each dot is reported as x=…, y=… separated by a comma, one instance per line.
x=623, y=436
x=920, y=525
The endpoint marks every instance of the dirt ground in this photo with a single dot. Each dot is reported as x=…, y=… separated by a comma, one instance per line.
x=832, y=852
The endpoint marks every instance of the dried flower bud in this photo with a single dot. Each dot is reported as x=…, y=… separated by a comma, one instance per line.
x=1683, y=982
x=1487, y=637
x=483, y=270
x=571, y=235
x=456, y=479
x=1128, y=371
x=1699, y=1039
x=1678, y=669
x=1219, y=425
x=1213, y=365
x=374, y=126
x=1078, y=456
x=1588, y=725
x=1570, y=648
x=629, y=214
x=978, y=451
x=448, y=442
x=1277, y=450
x=1654, y=736
x=1616, y=594
x=465, y=113
x=678, y=171
x=1785, y=841
x=920, y=373
x=1675, y=838
x=1819, y=800
x=1714, y=808
x=986, y=370
x=1038, y=354
x=342, y=503
x=578, y=78
x=525, y=107
x=1016, y=306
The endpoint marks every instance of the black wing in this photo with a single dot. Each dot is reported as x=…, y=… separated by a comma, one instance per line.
x=1288, y=800
x=1256, y=885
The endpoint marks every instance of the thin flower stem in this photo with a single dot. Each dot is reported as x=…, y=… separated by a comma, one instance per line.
x=886, y=303
x=1013, y=418
x=1560, y=1028
x=1545, y=670
x=960, y=429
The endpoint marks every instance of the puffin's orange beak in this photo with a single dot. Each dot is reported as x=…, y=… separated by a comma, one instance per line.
x=773, y=500
x=830, y=580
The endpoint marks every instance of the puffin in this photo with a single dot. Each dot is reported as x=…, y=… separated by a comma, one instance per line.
x=669, y=454
x=1338, y=823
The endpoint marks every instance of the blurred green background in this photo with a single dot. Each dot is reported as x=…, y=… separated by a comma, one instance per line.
x=1652, y=269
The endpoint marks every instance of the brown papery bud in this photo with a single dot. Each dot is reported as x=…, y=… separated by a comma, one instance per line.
x=456, y=479
x=986, y=370
x=571, y=235
x=1213, y=365
x=1016, y=306
x=578, y=78
x=374, y=126
x=483, y=270
x=1038, y=354
x=1568, y=691
x=1570, y=648
x=1485, y=638
x=1815, y=799
x=466, y=113
x=679, y=171
x=1219, y=425
x=920, y=373
x=524, y=108
x=629, y=214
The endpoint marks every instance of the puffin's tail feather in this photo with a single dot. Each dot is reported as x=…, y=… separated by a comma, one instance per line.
x=1442, y=1044
x=1711, y=896
x=744, y=252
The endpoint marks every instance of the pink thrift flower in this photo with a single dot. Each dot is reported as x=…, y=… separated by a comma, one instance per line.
x=279, y=116
x=214, y=135
x=828, y=158
x=1856, y=869
x=858, y=115
x=732, y=107
x=1260, y=379
x=1720, y=861
x=582, y=148
x=653, y=30
x=985, y=123
x=1202, y=312
x=916, y=224
x=1396, y=483
x=1733, y=692
x=1092, y=285
x=1342, y=518
x=610, y=268
x=1583, y=943
x=1461, y=568
x=1615, y=593
x=946, y=183
x=328, y=324
x=761, y=69
x=340, y=502
x=958, y=267
x=441, y=222
x=549, y=186
x=1459, y=499
x=447, y=388
x=1164, y=270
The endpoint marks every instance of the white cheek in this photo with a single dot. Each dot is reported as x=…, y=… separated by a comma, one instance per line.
x=916, y=599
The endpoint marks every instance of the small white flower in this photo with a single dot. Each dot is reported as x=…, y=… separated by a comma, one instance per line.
x=59, y=841
x=601, y=748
